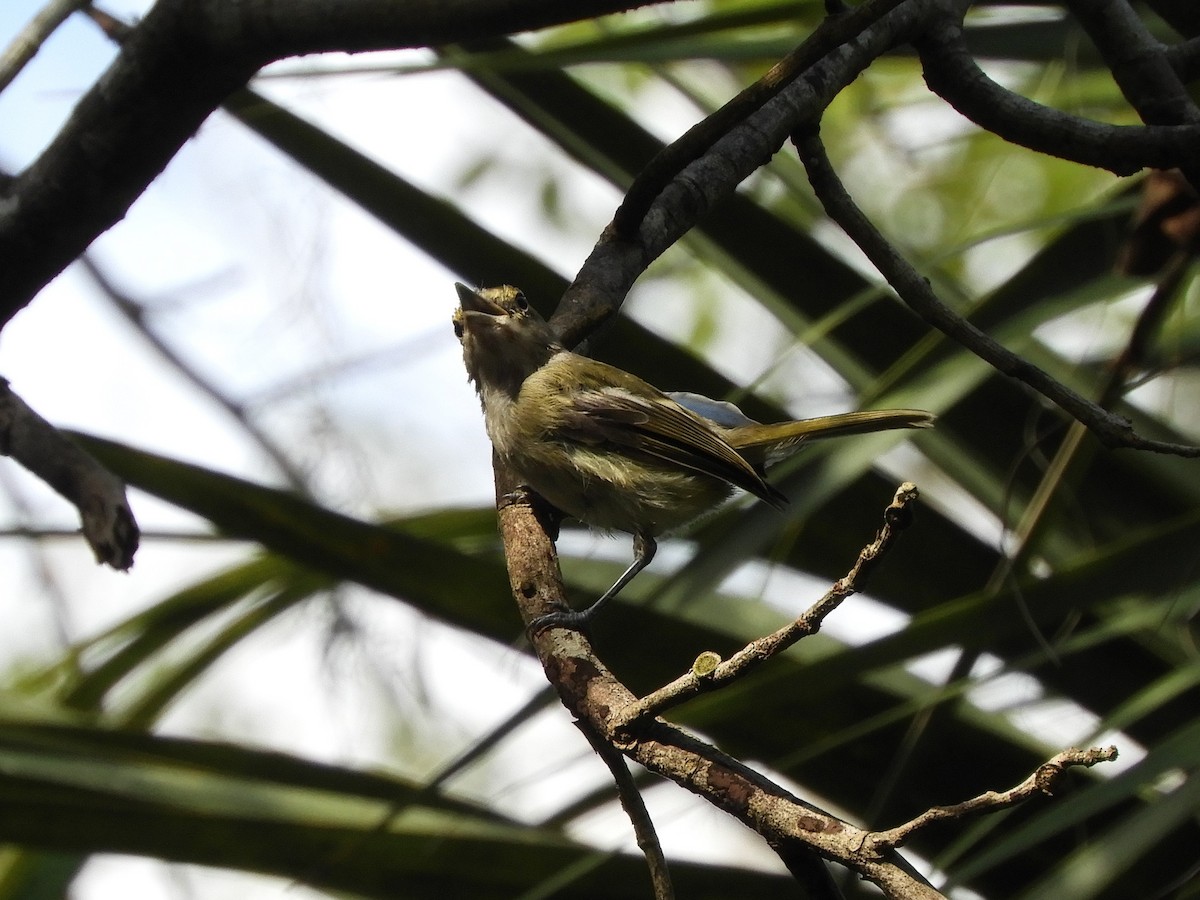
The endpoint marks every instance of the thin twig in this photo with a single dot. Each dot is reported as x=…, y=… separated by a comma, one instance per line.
x=915, y=292
x=22, y=48
x=1040, y=782
x=709, y=672
x=635, y=808
x=1072, y=452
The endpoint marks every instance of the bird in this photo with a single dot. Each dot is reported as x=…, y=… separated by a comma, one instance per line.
x=606, y=447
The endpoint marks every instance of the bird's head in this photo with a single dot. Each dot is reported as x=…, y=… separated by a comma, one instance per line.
x=503, y=338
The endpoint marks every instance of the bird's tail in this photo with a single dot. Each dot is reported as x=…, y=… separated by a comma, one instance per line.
x=767, y=444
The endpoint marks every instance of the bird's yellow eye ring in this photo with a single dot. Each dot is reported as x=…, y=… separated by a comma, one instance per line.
x=521, y=301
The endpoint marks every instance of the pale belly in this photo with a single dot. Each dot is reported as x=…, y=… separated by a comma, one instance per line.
x=616, y=492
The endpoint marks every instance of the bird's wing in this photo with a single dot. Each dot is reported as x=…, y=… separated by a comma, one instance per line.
x=658, y=427
x=723, y=413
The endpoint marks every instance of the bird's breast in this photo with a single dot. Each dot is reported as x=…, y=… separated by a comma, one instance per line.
x=602, y=484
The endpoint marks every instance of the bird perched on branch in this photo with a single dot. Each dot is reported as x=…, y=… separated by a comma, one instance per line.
x=605, y=447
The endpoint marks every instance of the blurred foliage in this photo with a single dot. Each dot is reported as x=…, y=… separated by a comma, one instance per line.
x=1090, y=608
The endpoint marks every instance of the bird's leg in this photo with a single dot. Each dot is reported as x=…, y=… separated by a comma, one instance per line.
x=644, y=548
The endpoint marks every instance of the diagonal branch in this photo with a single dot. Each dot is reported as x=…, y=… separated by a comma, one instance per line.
x=174, y=68
x=25, y=45
x=620, y=256
x=915, y=292
x=108, y=523
x=1040, y=782
x=833, y=32
x=801, y=833
x=709, y=673
x=618, y=260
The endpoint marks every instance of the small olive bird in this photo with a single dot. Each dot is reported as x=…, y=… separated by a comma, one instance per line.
x=609, y=449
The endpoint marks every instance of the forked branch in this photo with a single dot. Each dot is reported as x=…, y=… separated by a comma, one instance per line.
x=709, y=672
x=801, y=833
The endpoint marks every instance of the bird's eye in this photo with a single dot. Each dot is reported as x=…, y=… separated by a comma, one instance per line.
x=458, y=328
x=521, y=301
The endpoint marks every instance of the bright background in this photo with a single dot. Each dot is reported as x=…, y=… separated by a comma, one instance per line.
x=286, y=304
x=335, y=337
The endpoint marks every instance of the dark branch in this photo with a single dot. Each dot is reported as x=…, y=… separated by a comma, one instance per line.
x=1141, y=69
x=1185, y=59
x=951, y=73
x=616, y=262
x=836, y=30
x=798, y=831
x=915, y=292
x=99, y=495
x=175, y=67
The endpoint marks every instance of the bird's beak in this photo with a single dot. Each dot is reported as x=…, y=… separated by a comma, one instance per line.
x=471, y=301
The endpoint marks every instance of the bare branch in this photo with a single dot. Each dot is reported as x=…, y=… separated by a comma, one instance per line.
x=1040, y=782
x=616, y=262
x=635, y=808
x=836, y=30
x=952, y=73
x=795, y=829
x=108, y=523
x=175, y=67
x=798, y=831
x=25, y=45
x=620, y=257
x=592, y=693
x=709, y=672
x=915, y=292
x=1138, y=62
x=1141, y=69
